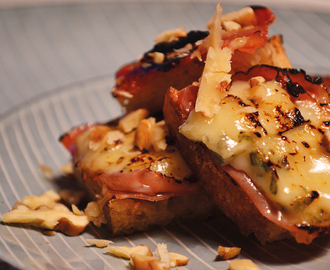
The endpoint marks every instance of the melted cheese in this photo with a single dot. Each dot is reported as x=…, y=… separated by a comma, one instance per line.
x=260, y=131
x=121, y=156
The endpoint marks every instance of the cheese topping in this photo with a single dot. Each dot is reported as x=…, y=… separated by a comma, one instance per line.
x=215, y=74
x=277, y=143
x=121, y=156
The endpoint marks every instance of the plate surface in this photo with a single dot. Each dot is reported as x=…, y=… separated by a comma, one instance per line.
x=29, y=138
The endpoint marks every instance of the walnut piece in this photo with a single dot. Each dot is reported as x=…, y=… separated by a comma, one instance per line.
x=244, y=264
x=254, y=81
x=131, y=120
x=151, y=134
x=100, y=243
x=177, y=259
x=126, y=252
x=170, y=35
x=162, y=252
x=228, y=252
x=44, y=212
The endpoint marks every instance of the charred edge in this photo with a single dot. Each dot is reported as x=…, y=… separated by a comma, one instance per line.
x=326, y=123
x=297, y=117
x=294, y=89
x=257, y=134
x=312, y=229
x=168, y=47
x=253, y=117
x=256, y=7
x=314, y=195
x=284, y=73
x=305, y=144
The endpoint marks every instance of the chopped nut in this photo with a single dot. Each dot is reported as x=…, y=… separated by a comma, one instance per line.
x=49, y=199
x=178, y=259
x=244, y=17
x=162, y=252
x=46, y=170
x=57, y=218
x=143, y=133
x=244, y=264
x=122, y=93
x=184, y=49
x=158, y=265
x=170, y=35
x=256, y=81
x=100, y=243
x=157, y=56
x=67, y=169
x=126, y=252
x=228, y=252
x=92, y=210
x=76, y=211
x=132, y=120
x=231, y=25
x=149, y=133
x=49, y=233
x=142, y=262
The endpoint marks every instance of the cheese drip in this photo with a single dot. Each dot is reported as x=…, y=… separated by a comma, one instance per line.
x=260, y=131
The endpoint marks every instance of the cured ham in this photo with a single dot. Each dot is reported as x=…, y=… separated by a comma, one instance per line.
x=269, y=137
x=108, y=157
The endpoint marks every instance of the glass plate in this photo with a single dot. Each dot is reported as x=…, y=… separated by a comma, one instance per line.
x=29, y=138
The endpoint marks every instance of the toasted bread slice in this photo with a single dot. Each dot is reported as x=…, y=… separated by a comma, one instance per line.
x=135, y=179
x=228, y=193
x=137, y=87
x=180, y=61
x=229, y=196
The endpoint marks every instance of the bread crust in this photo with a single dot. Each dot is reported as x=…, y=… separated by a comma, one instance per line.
x=127, y=216
x=226, y=193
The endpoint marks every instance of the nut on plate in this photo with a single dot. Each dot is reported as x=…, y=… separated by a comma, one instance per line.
x=228, y=252
x=45, y=212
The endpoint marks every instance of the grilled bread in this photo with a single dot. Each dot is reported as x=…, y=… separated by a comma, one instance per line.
x=178, y=59
x=257, y=156
x=136, y=180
